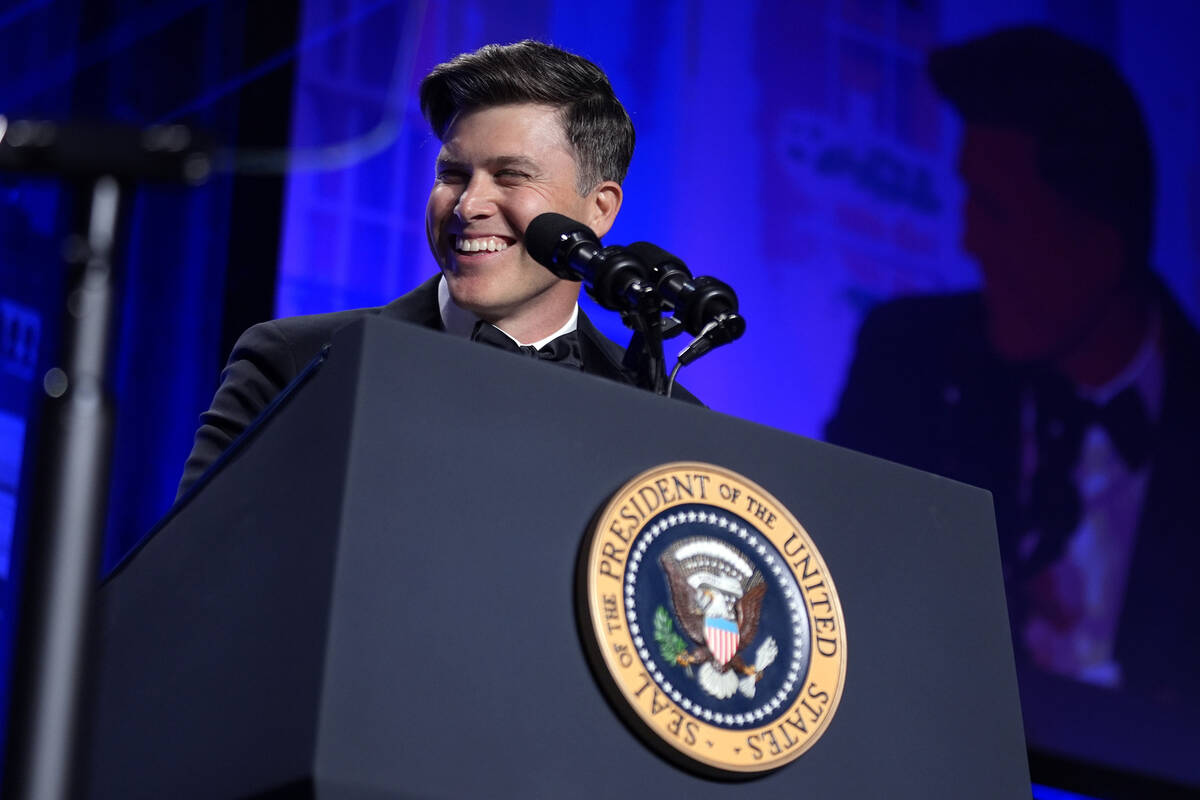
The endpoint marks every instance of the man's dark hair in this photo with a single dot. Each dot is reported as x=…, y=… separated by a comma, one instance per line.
x=1091, y=140
x=594, y=121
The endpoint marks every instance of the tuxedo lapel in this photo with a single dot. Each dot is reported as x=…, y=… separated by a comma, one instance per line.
x=600, y=356
x=1162, y=590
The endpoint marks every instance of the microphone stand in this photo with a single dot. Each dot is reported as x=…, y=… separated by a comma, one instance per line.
x=644, y=355
x=74, y=454
x=67, y=518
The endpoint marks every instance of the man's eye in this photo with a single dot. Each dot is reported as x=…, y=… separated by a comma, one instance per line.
x=511, y=175
x=451, y=176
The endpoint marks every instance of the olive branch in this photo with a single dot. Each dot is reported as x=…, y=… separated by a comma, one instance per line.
x=670, y=643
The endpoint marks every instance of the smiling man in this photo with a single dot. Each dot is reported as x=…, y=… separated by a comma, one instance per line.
x=498, y=169
x=525, y=129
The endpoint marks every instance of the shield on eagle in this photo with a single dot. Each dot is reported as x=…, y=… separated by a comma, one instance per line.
x=721, y=636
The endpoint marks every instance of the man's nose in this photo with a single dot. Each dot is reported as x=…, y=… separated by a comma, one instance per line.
x=476, y=199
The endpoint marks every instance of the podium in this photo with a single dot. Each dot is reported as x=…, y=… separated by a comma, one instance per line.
x=375, y=597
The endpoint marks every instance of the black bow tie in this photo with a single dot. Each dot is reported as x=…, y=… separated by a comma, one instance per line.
x=1062, y=418
x=564, y=350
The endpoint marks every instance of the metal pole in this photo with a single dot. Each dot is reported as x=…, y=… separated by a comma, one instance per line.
x=66, y=523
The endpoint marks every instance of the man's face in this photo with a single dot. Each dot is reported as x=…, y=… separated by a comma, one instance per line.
x=499, y=168
x=1049, y=270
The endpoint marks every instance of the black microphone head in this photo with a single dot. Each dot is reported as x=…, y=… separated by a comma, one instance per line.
x=659, y=260
x=668, y=273
x=708, y=299
x=550, y=238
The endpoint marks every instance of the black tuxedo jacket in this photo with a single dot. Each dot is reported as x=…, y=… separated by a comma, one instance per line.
x=269, y=355
x=925, y=389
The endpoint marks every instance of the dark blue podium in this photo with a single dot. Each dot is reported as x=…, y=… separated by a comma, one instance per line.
x=374, y=597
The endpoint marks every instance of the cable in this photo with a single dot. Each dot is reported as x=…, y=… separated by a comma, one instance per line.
x=674, y=372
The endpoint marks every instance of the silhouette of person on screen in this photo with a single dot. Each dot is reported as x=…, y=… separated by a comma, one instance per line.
x=1069, y=384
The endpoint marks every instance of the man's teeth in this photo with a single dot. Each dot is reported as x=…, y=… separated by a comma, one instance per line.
x=490, y=243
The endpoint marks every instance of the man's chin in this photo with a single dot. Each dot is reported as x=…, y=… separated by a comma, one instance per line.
x=493, y=298
x=482, y=307
x=481, y=300
x=1014, y=341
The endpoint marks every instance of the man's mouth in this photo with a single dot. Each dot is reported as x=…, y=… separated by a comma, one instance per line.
x=479, y=244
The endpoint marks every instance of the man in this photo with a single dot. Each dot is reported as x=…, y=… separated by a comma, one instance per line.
x=525, y=129
x=1069, y=385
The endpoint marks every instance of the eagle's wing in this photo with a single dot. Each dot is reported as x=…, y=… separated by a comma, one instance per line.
x=748, y=609
x=689, y=614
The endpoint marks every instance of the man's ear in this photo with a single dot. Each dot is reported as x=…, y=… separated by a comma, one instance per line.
x=604, y=202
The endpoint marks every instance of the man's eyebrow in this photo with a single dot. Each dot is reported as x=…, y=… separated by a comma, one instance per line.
x=444, y=161
x=524, y=162
x=495, y=162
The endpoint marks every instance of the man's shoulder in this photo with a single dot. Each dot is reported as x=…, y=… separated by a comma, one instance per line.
x=295, y=339
x=1179, y=329
x=417, y=305
x=916, y=346
x=303, y=336
x=928, y=316
x=323, y=324
x=925, y=331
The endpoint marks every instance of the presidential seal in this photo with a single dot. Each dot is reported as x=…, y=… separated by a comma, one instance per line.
x=712, y=620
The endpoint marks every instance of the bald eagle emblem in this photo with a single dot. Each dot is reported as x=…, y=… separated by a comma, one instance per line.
x=717, y=596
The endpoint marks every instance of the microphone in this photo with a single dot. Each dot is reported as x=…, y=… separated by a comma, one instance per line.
x=670, y=275
x=696, y=301
x=617, y=279
x=639, y=277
